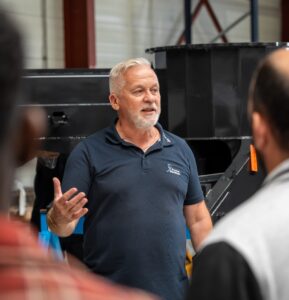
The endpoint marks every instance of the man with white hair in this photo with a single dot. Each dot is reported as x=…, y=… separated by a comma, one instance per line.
x=138, y=186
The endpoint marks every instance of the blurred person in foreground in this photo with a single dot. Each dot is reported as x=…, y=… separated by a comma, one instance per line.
x=246, y=256
x=27, y=271
x=140, y=187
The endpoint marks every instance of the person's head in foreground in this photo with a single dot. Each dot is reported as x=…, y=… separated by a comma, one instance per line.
x=268, y=108
x=245, y=256
x=10, y=78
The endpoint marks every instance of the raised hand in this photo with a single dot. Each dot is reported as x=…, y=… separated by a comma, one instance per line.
x=66, y=210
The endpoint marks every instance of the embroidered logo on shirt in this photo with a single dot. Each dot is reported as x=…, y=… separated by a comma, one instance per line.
x=173, y=170
x=166, y=138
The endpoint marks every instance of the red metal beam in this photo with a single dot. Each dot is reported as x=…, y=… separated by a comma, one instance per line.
x=211, y=14
x=79, y=33
x=215, y=20
x=284, y=20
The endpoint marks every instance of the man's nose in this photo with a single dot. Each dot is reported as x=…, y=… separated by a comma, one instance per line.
x=149, y=97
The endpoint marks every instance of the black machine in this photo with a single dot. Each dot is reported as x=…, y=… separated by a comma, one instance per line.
x=75, y=100
x=204, y=92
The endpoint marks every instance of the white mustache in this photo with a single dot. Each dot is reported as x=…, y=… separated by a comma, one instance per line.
x=149, y=107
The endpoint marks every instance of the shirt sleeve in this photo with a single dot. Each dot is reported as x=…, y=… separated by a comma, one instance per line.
x=194, y=193
x=78, y=171
x=221, y=273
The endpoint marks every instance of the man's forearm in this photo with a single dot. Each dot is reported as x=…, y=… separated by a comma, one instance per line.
x=199, y=231
x=61, y=229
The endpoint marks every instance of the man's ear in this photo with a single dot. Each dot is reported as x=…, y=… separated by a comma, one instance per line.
x=114, y=101
x=260, y=130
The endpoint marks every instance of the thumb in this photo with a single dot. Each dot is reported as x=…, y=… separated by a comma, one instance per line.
x=57, y=188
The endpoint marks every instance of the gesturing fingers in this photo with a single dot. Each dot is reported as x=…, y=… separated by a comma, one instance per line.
x=78, y=214
x=57, y=188
x=76, y=204
x=70, y=206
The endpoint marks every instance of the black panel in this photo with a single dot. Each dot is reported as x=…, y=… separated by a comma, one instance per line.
x=75, y=101
x=77, y=120
x=198, y=96
x=207, y=87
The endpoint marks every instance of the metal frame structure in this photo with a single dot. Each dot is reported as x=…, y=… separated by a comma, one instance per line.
x=190, y=18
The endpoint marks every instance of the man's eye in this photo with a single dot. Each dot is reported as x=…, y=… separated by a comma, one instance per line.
x=137, y=92
x=154, y=90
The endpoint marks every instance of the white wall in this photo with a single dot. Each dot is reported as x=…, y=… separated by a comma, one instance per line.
x=125, y=28
x=29, y=15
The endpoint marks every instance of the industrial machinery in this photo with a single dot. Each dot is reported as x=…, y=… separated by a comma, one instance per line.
x=76, y=104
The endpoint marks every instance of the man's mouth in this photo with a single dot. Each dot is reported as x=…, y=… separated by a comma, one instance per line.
x=149, y=109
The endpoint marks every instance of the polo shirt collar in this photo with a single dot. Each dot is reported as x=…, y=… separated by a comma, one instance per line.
x=165, y=140
x=113, y=137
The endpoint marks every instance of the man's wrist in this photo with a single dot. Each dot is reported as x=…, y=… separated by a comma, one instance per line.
x=61, y=229
x=52, y=224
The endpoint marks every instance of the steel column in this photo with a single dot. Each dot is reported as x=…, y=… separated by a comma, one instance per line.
x=212, y=15
x=188, y=22
x=254, y=21
x=193, y=17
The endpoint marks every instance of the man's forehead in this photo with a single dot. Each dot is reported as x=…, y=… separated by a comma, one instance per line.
x=139, y=69
x=137, y=75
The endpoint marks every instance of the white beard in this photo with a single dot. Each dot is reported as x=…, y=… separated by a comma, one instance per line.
x=143, y=123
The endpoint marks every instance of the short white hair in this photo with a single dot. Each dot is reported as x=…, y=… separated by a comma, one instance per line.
x=116, y=73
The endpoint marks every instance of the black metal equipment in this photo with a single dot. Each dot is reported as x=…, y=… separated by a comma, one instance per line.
x=76, y=103
x=204, y=99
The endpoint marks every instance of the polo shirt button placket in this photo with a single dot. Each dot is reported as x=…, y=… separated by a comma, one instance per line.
x=144, y=162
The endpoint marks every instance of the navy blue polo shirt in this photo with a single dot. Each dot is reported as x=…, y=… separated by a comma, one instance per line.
x=134, y=231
